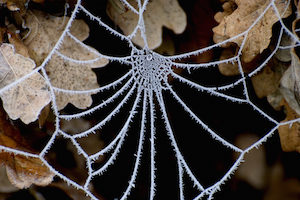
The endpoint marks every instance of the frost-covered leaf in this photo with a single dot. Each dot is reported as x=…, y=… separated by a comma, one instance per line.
x=240, y=20
x=28, y=98
x=45, y=31
x=159, y=13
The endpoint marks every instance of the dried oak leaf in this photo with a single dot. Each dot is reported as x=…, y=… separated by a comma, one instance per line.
x=289, y=83
x=267, y=80
x=228, y=8
x=5, y=185
x=243, y=17
x=159, y=13
x=230, y=68
x=284, y=55
x=2, y=34
x=28, y=98
x=45, y=30
x=15, y=5
x=21, y=171
x=274, y=99
x=289, y=134
x=18, y=44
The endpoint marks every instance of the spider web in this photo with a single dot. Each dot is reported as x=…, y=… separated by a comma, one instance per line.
x=145, y=86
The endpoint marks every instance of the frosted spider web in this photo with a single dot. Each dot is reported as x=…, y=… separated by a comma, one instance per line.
x=145, y=83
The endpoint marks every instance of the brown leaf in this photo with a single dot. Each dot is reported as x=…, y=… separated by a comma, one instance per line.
x=5, y=185
x=281, y=187
x=16, y=5
x=19, y=46
x=2, y=33
x=289, y=84
x=242, y=18
x=290, y=81
x=267, y=80
x=45, y=31
x=228, y=69
x=228, y=7
x=44, y=115
x=21, y=171
x=27, y=99
x=232, y=68
x=275, y=99
x=167, y=46
x=256, y=158
x=284, y=55
x=289, y=134
x=159, y=13
x=297, y=4
x=267, y=83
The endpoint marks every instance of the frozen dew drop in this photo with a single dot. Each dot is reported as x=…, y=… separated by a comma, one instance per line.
x=149, y=57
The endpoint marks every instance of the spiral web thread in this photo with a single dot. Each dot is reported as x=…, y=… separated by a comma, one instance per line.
x=146, y=80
